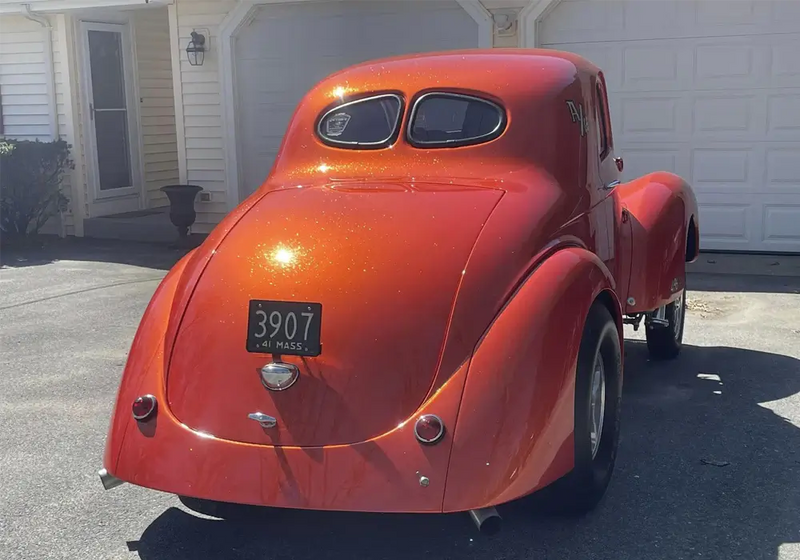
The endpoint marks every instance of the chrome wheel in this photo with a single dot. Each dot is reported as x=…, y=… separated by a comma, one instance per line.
x=597, y=403
x=677, y=324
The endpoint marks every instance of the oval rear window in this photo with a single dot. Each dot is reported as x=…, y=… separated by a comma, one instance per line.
x=449, y=119
x=368, y=122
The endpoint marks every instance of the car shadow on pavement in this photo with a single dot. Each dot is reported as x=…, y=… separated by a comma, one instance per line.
x=705, y=470
x=49, y=249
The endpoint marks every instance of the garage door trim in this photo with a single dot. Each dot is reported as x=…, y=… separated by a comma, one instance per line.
x=530, y=16
x=238, y=19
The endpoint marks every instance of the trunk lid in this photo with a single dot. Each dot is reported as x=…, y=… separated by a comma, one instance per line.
x=384, y=262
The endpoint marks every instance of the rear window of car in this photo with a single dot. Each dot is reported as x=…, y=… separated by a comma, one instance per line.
x=449, y=119
x=369, y=122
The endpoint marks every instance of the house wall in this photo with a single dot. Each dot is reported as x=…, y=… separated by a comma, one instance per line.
x=202, y=108
x=156, y=103
x=201, y=99
x=23, y=79
x=25, y=91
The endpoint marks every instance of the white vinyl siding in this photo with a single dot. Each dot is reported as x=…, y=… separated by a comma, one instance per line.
x=202, y=109
x=202, y=93
x=709, y=90
x=23, y=79
x=24, y=91
x=157, y=103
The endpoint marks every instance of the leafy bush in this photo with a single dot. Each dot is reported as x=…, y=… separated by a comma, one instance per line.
x=31, y=173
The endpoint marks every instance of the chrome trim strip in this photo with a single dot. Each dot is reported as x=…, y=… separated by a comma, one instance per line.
x=329, y=140
x=460, y=141
x=153, y=400
x=434, y=439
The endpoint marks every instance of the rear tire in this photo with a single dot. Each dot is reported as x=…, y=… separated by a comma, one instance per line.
x=599, y=358
x=664, y=342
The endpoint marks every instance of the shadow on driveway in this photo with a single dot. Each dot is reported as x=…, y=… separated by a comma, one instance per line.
x=707, y=282
x=46, y=249
x=704, y=471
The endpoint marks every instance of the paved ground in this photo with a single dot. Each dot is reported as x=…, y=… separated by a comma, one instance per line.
x=709, y=464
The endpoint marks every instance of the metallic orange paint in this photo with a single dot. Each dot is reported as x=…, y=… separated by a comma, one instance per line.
x=385, y=262
x=514, y=432
x=453, y=282
x=660, y=207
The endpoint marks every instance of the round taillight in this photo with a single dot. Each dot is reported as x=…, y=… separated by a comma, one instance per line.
x=429, y=428
x=144, y=407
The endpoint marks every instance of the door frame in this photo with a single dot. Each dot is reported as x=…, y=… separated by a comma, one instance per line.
x=117, y=200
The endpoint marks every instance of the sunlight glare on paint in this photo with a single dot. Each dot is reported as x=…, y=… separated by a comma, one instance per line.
x=284, y=256
x=324, y=167
x=338, y=92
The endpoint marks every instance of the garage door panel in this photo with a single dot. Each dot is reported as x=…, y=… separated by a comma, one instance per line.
x=742, y=14
x=785, y=62
x=725, y=224
x=723, y=64
x=720, y=116
x=783, y=168
x=643, y=159
x=709, y=90
x=753, y=117
x=780, y=221
x=656, y=117
x=288, y=47
x=783, y=115
x=582, y=21
x=716, y=169
x=786, y=13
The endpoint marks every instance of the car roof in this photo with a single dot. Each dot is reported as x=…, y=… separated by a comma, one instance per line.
x=531, y=85
x=496, y=71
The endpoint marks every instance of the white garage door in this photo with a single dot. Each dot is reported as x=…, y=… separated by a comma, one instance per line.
x=287, y=48
x=710, y=90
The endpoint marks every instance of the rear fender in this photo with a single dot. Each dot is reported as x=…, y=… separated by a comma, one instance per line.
x=145, y=356
x=663, y=212
x=514, y=428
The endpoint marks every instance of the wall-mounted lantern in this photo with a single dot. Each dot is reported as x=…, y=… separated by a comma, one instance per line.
x=196, y=50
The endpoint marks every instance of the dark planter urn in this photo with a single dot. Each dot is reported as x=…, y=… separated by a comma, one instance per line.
x=181, y=207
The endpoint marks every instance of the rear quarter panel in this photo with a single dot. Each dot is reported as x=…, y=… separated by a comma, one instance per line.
x=515, y=423
x=661, y=208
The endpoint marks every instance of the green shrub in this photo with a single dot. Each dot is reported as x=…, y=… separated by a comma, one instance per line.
x=31, y=173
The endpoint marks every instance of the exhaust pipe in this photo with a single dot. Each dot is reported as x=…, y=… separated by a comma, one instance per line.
x=109, y=481
x=487, y=520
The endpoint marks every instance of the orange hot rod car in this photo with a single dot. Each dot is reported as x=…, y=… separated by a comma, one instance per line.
x=421, y=309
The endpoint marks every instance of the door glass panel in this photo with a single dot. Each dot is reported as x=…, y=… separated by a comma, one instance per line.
x=108, y=83
x=113, y=154
x=110, y=113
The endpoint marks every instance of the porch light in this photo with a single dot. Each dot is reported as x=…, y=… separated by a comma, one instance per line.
x=196, y=50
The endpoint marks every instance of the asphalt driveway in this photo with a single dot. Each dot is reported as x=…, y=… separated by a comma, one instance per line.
x=709, y=463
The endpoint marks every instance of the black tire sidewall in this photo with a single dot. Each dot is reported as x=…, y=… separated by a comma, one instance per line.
x=591, y=476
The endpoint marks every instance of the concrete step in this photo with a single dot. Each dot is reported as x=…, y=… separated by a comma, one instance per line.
x=151, y=226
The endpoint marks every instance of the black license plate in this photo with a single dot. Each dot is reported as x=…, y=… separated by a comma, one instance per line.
x=284, y=327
